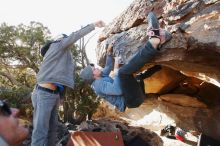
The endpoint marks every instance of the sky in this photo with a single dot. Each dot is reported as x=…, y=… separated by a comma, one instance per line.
x=63, y=16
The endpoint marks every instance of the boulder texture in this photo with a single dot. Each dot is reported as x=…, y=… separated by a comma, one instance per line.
x=195, y=25
x=183, y=100
x=190, y=60
x=163, y=81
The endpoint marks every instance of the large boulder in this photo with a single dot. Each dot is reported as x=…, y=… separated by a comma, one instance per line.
x=190, y=62
x=195, y=25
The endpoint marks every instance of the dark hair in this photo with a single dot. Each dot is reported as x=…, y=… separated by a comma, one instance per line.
x=92, y=64
x=45, y=48
x=4, y=108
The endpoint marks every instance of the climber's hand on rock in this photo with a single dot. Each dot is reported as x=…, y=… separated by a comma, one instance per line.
x=109, y=49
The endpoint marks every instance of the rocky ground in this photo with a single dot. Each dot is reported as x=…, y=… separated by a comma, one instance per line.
x=153, y=138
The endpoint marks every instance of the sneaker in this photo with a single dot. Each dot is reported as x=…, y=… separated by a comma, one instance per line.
x=153, y=22
x=154, y=30
x=165, y=36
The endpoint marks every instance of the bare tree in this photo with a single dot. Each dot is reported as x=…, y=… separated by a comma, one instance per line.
x=82, y=48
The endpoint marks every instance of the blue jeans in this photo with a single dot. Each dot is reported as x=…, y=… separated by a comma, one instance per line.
x=132, y=91
x=45, y=118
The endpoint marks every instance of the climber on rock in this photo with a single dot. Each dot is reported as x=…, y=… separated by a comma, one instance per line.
x=124, y=90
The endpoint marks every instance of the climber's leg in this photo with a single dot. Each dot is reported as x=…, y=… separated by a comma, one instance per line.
x=133, y=93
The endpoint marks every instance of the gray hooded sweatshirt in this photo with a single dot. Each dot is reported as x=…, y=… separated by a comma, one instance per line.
x=58, y=64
